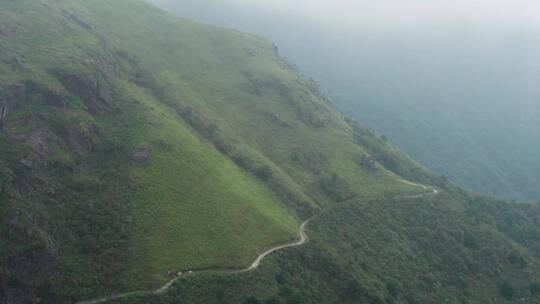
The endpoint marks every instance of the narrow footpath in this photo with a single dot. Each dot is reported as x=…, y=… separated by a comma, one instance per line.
x=303, y=239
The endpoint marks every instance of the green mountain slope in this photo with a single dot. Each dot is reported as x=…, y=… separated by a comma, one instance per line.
x=459, y=97
x=454, y=247
x=429, y=250
x=134, y=143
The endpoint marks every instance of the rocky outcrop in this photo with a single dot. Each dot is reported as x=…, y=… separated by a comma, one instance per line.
x=50, y=97
x=252, y=52
x=85, y=24
x=6, y=30
x=38, y=140
x=93, y=90
x=44, y=116
x=25, y=269
x=277, y=119
x=368, y=163
x=19, y=63
x=140, y=155
x=10, y=96
x=3, y=30
x=261, y=87
x=81, y=139
x=13, y=92
x=24, y=274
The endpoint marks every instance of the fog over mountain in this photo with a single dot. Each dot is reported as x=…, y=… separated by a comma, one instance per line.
x=362, y=13
x=456, y=84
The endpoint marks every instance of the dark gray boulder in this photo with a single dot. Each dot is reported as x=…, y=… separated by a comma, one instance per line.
x=19, y=62
x=368, y=163
x=81, y=140
x=38, y=140
x=252, y=52
x=44, y=116
x=93, y=90
x=6, y=30
x=164, y=145
x=50, y=97
x=140, y=155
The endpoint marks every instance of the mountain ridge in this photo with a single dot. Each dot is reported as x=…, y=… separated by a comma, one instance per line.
x=135, y=145
x=146, y=161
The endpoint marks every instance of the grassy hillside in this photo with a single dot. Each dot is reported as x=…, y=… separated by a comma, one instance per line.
x=451, y=248
x=238, y=83
x=459, y=97
x=437, y=249
x=134, y=143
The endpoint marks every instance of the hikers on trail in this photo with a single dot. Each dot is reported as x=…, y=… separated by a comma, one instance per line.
x=175, y=274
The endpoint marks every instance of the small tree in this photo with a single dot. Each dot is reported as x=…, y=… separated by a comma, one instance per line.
x=517, y=260
x=3, y=115
x=393, y=288
x=264, y=172
x=506, y=290
x=534, y=288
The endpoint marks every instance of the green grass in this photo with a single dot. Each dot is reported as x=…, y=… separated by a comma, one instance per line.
x=209, y=74
x=116, y=225
x=192, y=207
x=106, y=224
x=436, y=249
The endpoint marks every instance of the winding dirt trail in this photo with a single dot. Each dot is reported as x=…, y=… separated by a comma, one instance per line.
x=303, y=239
x=433, y=190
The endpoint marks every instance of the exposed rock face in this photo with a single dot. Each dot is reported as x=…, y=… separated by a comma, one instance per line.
x=140, y=155
x=20, y=62
x=368, y=163
x=253, y=52
x=38, y=140
x=276, y=119
x=105, y=94
x=10, y=96
x=81, y=140
x=95, y=92
x=30, y=269
x=3, y=30
x=13, y=92
x=50, y=97
x=6, y=30
x=54, y=98
x=44, y=116
x=263, y=86
x=79, y=20
x=24, y=272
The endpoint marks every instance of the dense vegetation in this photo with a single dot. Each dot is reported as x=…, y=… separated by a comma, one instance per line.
x=459, y=97
x=430, y=250
x=134, y=143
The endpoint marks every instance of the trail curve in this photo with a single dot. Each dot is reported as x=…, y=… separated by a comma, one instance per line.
x=303, y=238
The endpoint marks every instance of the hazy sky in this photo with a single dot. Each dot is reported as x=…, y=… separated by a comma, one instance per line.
x=351, y=13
